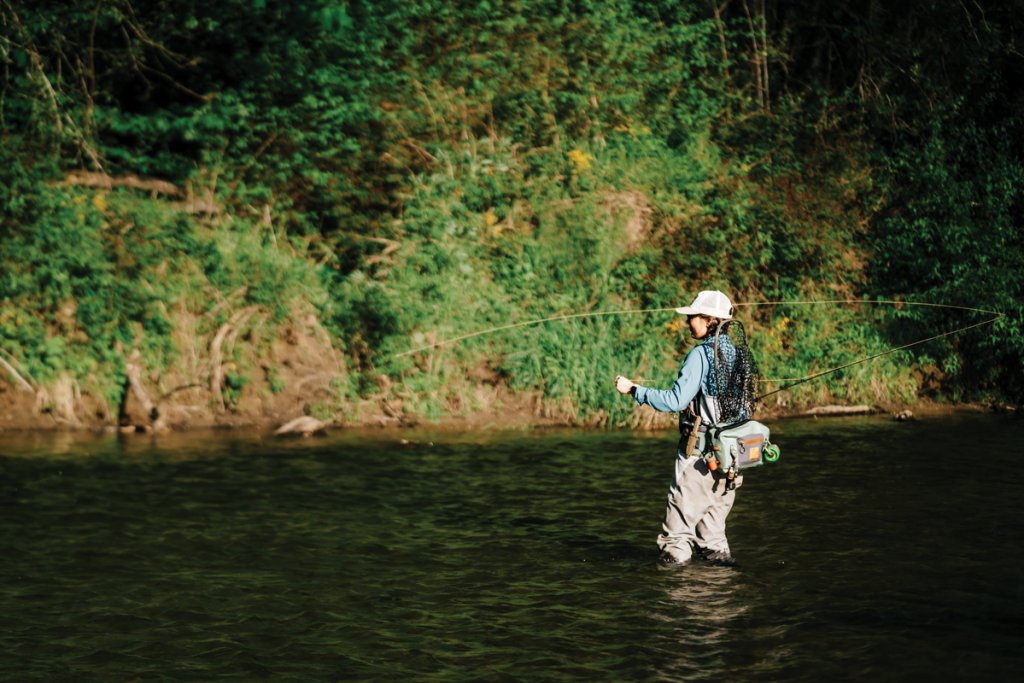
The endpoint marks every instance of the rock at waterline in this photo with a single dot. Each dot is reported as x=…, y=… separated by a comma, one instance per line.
x=304, y=426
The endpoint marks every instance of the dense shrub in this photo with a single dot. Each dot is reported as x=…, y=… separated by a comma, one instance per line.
x=422, y=171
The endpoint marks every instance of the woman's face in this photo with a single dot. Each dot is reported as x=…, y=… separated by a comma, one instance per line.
x=698, y=325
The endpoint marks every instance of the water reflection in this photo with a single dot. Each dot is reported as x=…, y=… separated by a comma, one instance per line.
x=525, y=557
x=704, y=594
x=699, y=613
x=40, y=444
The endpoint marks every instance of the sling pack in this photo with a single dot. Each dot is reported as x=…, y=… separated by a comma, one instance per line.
x=740, y=445
x=733, y=444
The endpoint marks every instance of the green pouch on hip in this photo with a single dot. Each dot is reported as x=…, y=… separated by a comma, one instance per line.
x=740, y=444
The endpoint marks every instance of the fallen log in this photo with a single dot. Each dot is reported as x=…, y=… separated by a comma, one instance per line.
x=838, y=410
x=108, y=182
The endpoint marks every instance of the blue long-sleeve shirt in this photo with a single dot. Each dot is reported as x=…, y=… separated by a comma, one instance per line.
x=691, y=377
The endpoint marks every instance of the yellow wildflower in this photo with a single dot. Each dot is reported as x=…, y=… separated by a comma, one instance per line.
x=581, y=161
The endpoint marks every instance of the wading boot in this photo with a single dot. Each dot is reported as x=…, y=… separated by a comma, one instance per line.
x=719, y=558
x=669, y=560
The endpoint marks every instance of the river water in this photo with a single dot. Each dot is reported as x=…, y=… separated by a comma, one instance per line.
x=873, y=550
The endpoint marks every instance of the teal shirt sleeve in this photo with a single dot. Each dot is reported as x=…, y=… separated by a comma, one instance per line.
x=687, y=385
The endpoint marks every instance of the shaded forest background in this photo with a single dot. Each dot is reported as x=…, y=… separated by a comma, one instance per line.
x=246, y=209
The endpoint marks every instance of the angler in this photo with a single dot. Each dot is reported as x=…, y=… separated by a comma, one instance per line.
x=714, y=396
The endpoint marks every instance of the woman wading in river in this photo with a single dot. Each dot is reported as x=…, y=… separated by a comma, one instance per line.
x=715, y=384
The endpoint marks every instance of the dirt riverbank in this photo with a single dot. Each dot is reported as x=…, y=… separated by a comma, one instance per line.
x=259, y=410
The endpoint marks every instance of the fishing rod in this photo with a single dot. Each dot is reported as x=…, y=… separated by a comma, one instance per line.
x=797, y=382
x=894, y=302
x=527, y=323
x=794, y=382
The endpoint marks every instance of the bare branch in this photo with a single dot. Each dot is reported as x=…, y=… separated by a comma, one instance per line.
x=180, y=387
x=18, y=379
x=102, y=180
x=208, y=97
x=14, y=361
x=60, y=116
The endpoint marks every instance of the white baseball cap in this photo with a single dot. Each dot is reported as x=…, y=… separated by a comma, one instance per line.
x=709, y=302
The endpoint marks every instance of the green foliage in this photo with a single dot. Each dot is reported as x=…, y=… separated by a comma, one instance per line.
x=951, y=229
x=245, y=256
x=275, y=382
x=84, y=275
x=427, y=169
x=90, y=276
x=803, y=341
x=234, y=382
x=956, y=240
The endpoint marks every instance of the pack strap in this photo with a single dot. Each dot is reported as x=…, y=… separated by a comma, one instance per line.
x=716, y=430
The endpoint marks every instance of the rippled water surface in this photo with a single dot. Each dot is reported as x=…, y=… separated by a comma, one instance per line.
x=873, y=550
